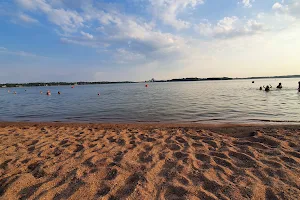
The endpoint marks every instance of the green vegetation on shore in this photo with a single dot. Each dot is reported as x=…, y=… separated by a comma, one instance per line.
x=222, y=78
x=56, y=84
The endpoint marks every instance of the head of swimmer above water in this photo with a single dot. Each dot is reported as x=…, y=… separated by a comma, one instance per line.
x=267, y=88
x=279, y=86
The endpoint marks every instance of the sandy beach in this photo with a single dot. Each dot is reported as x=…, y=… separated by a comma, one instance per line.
x=148, y=161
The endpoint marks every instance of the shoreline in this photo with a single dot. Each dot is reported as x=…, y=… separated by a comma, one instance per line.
x=148, y=124
x=149, y=161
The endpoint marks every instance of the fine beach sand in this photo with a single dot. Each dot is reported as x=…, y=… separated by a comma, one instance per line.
x=111, y=161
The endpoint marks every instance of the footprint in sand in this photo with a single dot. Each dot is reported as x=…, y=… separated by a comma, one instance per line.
x=79, y=148
x=203, y=157
x=111, y=174
x=103, y=191
x=144, y=157
x=35, y=170
x=175, y=192
x=179, y=155
x=130, y=185
x=173, y=147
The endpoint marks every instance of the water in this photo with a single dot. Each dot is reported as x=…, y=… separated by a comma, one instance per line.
x=237, y=101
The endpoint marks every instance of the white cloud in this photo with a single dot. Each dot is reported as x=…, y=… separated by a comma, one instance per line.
x=27, y=4
x=123, y=56
x=125, y=32
x=168, y=11
x=85, y=42
x=87, y=35
x=116, y=28
x=253, y=26
x=247, y=3
x=279, y=7
x=68, y=20
x=292, y=8
x=27, y=19
x=230, y=27
x=286, y=14
x=34, y=5
x=295, y=9
x=143, y=37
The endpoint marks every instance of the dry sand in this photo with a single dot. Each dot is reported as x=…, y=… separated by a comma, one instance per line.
x=89, y=161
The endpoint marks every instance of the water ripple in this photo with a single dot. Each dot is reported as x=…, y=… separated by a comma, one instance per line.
x=237, y=101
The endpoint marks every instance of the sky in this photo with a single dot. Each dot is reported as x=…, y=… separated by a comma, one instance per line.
x=136, y=40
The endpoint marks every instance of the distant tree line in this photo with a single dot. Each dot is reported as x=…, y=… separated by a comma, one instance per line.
x=57, y=84
x=199, y=79
x=267, y=77
x=152, y=80
x=103, y=82
x=35, y=84
x=223, y=78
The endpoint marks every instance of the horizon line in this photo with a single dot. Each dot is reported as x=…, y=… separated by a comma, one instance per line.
x=166, y=80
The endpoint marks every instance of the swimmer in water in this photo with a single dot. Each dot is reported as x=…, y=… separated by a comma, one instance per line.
x=15, y=92
x=299, y=86
x=58, y=92
x=41, y=92
x=267, y=88
x=48, y=93
x=260, y=88
x=279, y=86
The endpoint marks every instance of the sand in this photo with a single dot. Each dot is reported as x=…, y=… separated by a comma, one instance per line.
x=90, y=161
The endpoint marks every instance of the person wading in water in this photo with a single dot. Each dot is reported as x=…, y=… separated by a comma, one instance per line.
x=267, y=88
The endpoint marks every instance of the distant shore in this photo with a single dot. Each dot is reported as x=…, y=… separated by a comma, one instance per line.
x=39, y=84
x=149, y=161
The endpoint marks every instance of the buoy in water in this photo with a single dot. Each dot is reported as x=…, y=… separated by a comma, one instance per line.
x=146, y=85
x=72, y=86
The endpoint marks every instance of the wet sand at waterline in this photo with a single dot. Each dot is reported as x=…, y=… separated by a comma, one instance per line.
x=148, y=161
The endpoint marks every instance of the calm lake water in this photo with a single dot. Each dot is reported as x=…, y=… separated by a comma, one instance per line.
x=237, y=101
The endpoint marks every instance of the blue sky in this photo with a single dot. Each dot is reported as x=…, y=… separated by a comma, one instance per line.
x=113, y=40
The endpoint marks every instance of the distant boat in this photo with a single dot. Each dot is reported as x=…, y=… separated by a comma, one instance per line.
x=4, y=86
